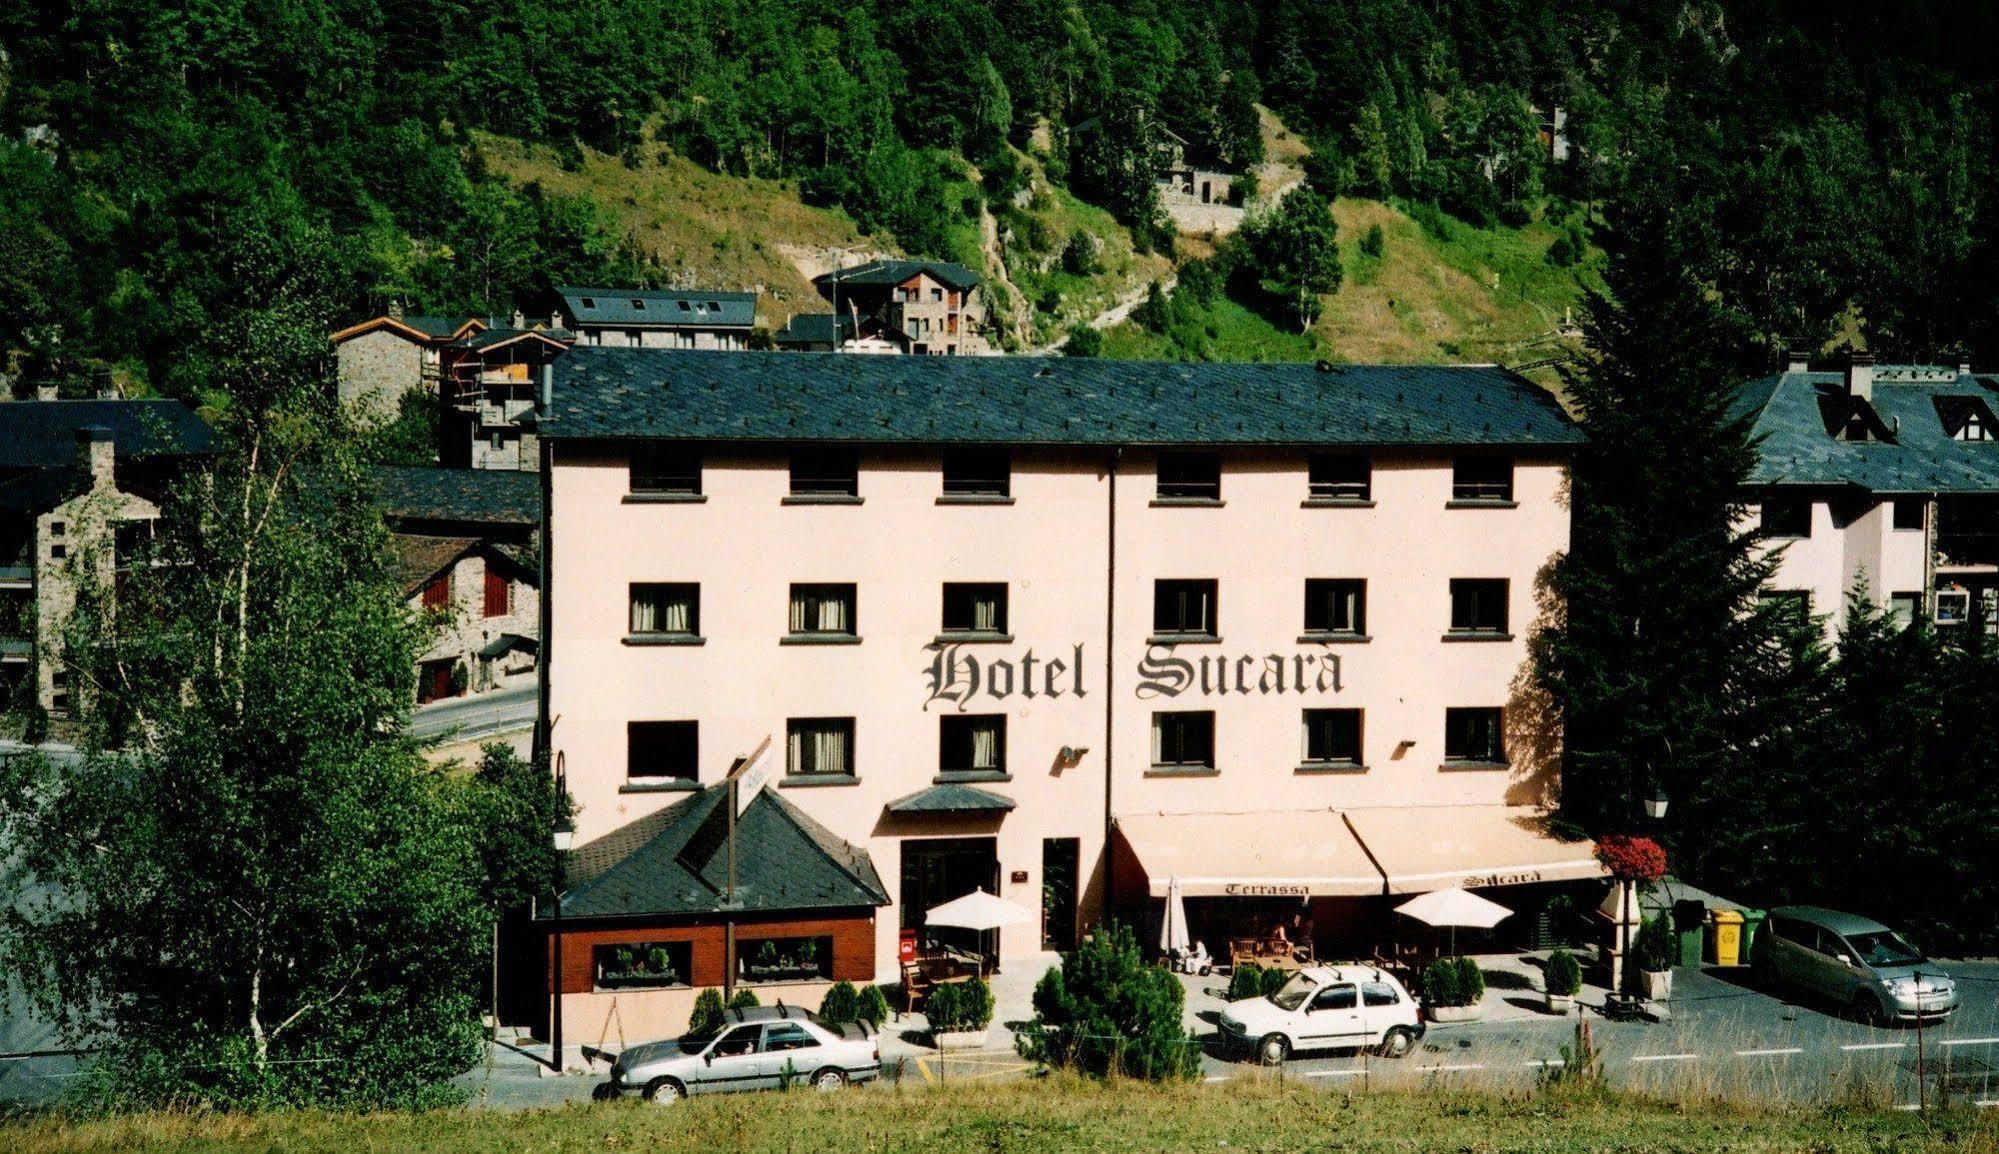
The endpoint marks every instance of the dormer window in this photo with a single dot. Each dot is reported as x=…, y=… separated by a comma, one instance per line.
x=1967, y=419
x=638, y=304
x=589, y=302
x=686, y=307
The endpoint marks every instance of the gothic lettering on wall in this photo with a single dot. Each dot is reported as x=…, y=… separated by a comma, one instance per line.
x=1162, y=673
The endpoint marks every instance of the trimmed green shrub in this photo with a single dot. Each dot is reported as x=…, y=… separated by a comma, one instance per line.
x=969, y=1008
x=707, y=1015
x=743, y=1000
x=1564, y=975
x=942, y=1008
x=873, y=1008
x=1653, y=949
x=1453, y=982
x=1246, y=982
x=1108, y=1010
x=841, y=1003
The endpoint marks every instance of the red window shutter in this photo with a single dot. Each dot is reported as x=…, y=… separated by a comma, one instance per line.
x=437, y=594
x=498, y=594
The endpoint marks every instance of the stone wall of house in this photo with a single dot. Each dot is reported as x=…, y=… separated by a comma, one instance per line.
x=75, y=544
x=469, y=629
x=376, y=369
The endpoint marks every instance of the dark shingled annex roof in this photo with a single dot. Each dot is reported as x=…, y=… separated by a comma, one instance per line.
x=772, y=396
x=670, y=308
x=676, y=862
x=42, y=434
x=474, y=496
x=1791, y=413
x=894, y=272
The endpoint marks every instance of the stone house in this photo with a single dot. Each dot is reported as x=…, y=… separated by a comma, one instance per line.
x=656, y=318
x=921, y=307
x=80, y=486
x=383, y=358
x=491, y=382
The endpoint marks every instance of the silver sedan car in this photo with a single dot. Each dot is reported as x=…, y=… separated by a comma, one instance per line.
x=1858, y=963
x=759, y=1048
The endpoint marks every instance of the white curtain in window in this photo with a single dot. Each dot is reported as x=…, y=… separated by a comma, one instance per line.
x=645, y=613
x=1158, y=742
x=833, y=615
x=817, y=612
x=819, y=750
x=985, y=612
x=675, y=614
x=801, y=611
x=985, y=746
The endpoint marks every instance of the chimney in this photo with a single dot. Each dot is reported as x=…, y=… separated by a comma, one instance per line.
x=1860, y=376
x=547, y=386
x=1798, y=361
x=518, y=321
x=101, y=382
x=45, y=389
x=96, y=452
x=396, y=309
x=555, y=319
x=1964, y=368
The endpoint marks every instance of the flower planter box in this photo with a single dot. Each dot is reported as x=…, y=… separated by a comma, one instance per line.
x=1455, y=1013
x=1561, y=1003
x=639, y=979
x=1658, y=984
x=960, y=1039
x=783, y=973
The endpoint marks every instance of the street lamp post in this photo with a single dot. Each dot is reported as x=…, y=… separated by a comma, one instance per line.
x=562, y=837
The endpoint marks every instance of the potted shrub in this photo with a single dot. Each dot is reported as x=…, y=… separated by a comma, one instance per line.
x=1246, y=982
x=841, y=1004
x=960, y=1015
x=1452, y=989
x=1653, y=953
x=1563, y=980
x=873, y=1007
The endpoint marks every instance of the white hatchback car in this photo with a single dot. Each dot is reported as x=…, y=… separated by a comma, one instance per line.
x=1325, y=1008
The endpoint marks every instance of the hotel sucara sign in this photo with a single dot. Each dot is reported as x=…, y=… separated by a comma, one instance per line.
x=961, y=675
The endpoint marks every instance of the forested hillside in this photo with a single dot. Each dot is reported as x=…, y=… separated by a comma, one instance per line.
x=183, y=188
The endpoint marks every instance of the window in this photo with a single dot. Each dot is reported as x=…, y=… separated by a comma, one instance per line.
x=589, y=302
x=1332, y=737
x=1336, y=606
x=1378, y=994
x=978, y=473
x=496, y=440
x=499, y=592
x=975, y=607
x=1478, y=605
x=58, y=552
x=822, y=610
x=1190, y=477
x=825, y=473
x=784, y=960
x=58, y=528
x=1966, y=418
x=666, y=610
x=1336, y=998
x=1341, y=477
x=1183, y=608
x=642, y=965
x=1794, y=604
x=971, y=744
x=666, y=469
x=1786, y=517
x=1482, y=479
x=1473, y=735
x=686, y=306
x=819, y=747
x=936, y=294
x=1953, y=606
x=662, y=749
x=436, y=595
x=1183, y=740
x=1911, y=512
x=782, y=1036
x=1904, y=608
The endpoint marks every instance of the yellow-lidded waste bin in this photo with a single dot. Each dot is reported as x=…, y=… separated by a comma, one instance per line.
x=1725, y=937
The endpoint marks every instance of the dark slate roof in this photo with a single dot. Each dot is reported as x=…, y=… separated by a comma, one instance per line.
x=39, y=490
x=1795, y=415
x=470, y=496
x=668, y=308
x=675, y=862
x=951, y=797
x=435, y=326
x=490, y=338
x=42, y=434
x=894, y=272
x=780, y=396
x=420, y=558
x=814, y=329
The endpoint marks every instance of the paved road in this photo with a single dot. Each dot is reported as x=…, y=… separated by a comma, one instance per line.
x=474, y=717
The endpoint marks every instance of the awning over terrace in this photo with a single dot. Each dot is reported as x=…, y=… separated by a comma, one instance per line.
x=1352, y=853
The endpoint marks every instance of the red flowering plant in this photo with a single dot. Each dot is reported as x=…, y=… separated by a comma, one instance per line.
x=1632, y=859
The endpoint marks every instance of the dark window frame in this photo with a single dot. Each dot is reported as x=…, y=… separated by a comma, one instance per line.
x=1326, y=597
x=1330, y=731
x=1188, y=476
x=1475, y=735
x=673, y=470
x=664, y=750
x=1172, y=598
x=1478, y=478
x=1178, y=736
x=1792, y=519
x=1340, y=477
x=961, y=596
x=1479, y=605
x=978, y=472
x=825, y=471
x=1901, y=509
x=955, y=739
x=819, y=593
x=640, y=588
x=795, y=725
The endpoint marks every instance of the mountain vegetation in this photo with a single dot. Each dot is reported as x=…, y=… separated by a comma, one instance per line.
x=1835, y=156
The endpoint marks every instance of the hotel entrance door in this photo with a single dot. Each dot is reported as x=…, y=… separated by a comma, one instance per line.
x=935, y=870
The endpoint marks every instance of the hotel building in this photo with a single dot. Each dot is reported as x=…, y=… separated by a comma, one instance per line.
x=1883, y=478
x=1061, y=629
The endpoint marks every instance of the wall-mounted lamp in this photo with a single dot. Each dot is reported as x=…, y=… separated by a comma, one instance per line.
x=1071, y=754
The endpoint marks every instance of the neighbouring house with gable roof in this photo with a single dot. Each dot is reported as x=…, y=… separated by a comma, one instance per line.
x=919, y=307
x=1883, y=477
x=383, y=358
x=657, y=318
x=80, y=488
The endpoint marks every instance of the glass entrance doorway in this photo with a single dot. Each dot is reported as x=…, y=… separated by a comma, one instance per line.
x=935, y=870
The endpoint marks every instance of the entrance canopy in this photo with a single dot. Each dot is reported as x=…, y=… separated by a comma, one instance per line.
x=1422, y=848
x=1352, y=853
x=1308, y=853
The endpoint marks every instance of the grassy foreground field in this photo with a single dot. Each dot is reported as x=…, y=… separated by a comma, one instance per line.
x=1053, y=1115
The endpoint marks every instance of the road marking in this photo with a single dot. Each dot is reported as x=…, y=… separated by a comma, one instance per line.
x=1469, y=1066
x=1769, y=1053
x=1332, y=1073
x=1971, y=1041
x=1545, y=1062
x=1875, y=1046
x=1665, y=1057
x=1216, y=1078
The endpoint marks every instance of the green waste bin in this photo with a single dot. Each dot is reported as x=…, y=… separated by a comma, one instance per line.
x=1689, y=922
x=1752, y=924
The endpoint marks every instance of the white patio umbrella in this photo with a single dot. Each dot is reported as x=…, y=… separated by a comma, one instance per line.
x=979, y=911
x=1173, y=934
x=1454, y=907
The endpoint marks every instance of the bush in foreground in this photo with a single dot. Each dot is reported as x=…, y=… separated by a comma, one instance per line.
x=1107, y=1011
